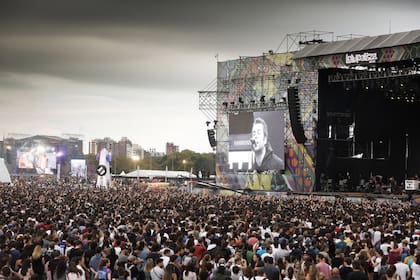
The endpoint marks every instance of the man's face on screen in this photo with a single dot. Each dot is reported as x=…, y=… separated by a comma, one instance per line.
x=258, y=137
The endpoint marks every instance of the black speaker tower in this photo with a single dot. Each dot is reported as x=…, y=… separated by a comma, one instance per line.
x=212, y=137
x=295, y=118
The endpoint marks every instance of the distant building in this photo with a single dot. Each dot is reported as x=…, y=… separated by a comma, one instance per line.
x=98, y=144
x=123, y=148
x=137, y=150
x=171, y=148
x=153, y=153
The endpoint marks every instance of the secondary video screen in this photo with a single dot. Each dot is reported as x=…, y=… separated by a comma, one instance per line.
x=78, y=167
x=256, y=141
x=38, y=156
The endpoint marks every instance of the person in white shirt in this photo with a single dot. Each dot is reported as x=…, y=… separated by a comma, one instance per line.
x=385, y=246
x=157, y=272
x=269, y=253
x=415, y=267
x=282, y=252
x=166, y=257
x=376, y=261
x=403, y=270
x=377, y=234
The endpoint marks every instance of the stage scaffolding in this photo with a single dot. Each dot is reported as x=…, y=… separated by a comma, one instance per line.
x=252, y=84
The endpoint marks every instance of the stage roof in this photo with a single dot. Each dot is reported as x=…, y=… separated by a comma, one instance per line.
x=360, y=44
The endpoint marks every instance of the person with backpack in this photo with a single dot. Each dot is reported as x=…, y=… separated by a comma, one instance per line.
x=104, y=271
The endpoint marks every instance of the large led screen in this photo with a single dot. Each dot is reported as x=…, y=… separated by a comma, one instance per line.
x=38, y=156
x=256, y=141
x=78, y=167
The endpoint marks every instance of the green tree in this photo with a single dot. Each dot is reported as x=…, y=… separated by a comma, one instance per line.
x=197, y=162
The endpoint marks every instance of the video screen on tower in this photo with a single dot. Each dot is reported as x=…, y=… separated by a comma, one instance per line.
x=78, y=167
x=256, y=141
x=38, y=156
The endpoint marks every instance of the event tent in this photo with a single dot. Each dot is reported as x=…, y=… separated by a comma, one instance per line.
x=4, y=173
x=158, y=174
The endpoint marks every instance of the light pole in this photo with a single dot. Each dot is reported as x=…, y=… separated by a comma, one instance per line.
x=184, y=162
x=136, y=158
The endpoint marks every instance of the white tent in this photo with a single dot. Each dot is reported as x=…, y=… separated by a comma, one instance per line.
x=159, y=174
x=4, y=173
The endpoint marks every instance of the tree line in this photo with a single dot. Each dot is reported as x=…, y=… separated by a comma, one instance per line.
x=185, y=160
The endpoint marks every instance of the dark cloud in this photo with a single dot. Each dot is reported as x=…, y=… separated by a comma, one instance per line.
x=98, y=59
x=135, y=66
x=132, y=43
x=154, y=43
x=165, y=13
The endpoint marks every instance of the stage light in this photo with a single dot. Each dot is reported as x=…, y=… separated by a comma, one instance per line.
x=225, y=104
x=297, y=81
x=273, y=100
x=207, y=123
x=241, y=100
x=232, y=104
x=262, y=99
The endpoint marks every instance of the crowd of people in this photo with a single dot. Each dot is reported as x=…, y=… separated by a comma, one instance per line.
x=65, y=231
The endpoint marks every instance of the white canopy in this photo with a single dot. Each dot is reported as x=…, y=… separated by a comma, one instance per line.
x=4, y=173
x=158, y=174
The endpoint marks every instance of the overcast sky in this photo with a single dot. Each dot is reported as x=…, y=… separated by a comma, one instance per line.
x=133, y=68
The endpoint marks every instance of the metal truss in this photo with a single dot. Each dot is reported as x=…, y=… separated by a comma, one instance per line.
x=207, y=103
x=296, y=41
x=271, y=105
x=371, y=75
